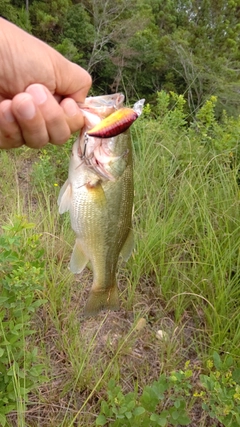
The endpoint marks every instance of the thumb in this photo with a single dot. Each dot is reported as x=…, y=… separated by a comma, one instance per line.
x=71, y=79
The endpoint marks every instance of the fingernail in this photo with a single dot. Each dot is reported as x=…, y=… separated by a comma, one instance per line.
x=71, y=108
x=7, y=114
x=26, y=109
x=38, y=93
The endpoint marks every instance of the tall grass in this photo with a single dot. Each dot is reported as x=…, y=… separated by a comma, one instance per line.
x=187, y=227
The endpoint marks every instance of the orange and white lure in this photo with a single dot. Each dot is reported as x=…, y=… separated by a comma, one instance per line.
x=117, y=122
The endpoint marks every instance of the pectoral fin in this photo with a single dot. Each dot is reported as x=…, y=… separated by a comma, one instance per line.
x=78, y=259
x=96, y=192
x=128, y=246
x=64, y=198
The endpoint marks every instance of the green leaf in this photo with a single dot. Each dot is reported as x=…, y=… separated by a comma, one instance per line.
x=175, y=415
x=105, y=408
x=111, y=384
x=131, y=403
x=184, y=420
x=122, y=409
x=3, y=420
x=149, y=399
x=236, y=375
x=177, y=403
x=120, y=416
x=139, y=411
x=217, y=360
x=128, y=415
x=9, y=408
x=101, y=420
x=154, y=417
x=228, y=362
x=161, y=419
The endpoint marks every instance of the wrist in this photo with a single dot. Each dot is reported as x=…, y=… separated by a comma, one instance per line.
x=3, y=22
x=4, y=45
x=10, y=40
x=6, y=28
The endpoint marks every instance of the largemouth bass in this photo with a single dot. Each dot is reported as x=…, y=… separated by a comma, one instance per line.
x=99, y=196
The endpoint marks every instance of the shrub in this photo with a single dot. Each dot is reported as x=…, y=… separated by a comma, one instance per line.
x=21, y=276
x=160, y=403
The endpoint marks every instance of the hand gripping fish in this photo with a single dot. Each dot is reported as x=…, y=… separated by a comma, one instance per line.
x=99, y=195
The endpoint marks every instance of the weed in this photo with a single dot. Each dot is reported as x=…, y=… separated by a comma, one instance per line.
x=47, y=171
x=168, y=400
x=21, y=276
x=221, y=390
x=160, y=403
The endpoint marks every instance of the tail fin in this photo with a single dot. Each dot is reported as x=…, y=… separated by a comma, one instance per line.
x=102, y=300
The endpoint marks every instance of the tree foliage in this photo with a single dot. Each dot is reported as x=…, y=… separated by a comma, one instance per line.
x=141, y=47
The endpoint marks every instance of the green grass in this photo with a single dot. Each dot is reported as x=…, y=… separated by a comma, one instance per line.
x=187, y=224
x=182, y=278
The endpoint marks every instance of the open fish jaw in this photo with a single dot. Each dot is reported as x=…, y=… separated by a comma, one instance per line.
x=95, y=148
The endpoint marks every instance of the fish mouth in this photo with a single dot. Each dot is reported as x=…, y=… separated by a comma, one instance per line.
x=95, y=149
x=99, y=158
x=95, y=161
x=100, y=170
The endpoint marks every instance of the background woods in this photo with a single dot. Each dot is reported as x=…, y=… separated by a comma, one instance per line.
x=170, y=356
x=140, y=47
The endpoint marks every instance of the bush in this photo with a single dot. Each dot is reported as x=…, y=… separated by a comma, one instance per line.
x=168, y=401
x=21, y=277
x=161, y=403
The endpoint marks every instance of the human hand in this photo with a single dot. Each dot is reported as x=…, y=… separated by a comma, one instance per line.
x=39, y=89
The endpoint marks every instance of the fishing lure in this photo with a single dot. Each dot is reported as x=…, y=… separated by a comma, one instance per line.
x=118, y=122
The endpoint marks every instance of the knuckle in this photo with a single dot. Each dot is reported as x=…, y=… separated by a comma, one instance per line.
x=36, y=136
x=9, y=140
x=76, y=124
x=88, y=81
x=36, y=142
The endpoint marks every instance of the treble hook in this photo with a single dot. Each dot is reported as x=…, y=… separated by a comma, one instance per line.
x=83, y=156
